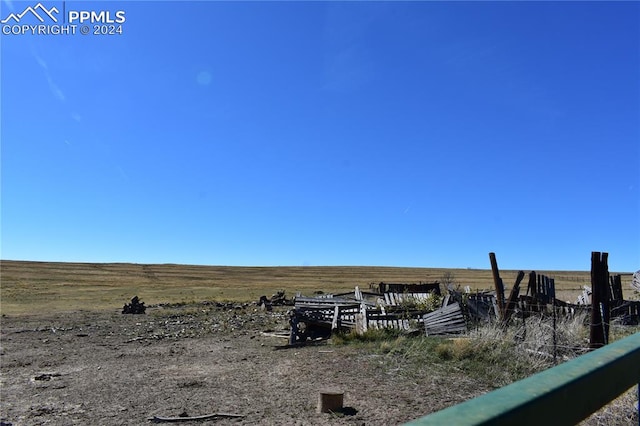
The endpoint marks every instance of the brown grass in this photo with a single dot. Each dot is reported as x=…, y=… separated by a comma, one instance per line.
x=32, y=287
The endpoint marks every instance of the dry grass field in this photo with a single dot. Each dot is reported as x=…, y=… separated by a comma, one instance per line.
x=32, y=287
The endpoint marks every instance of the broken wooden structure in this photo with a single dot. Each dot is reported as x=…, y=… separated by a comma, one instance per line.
x=447, y=320
x=397, y=306
x=410, y=307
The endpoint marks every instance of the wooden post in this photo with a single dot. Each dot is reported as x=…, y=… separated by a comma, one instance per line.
x=330, y=401
x=532, y=284
x=599, y=333
x=555, y=333
x=547, y=289
x=498, y=284
x=533, y=306
x=361, y=319
x=336, y=317
x=541, y=288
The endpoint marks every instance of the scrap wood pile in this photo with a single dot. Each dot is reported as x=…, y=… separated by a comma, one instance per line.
x=135, y=307
x=407, y=307
x=277, y=299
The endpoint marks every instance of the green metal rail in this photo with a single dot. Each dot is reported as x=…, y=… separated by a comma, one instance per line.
x=569, y=392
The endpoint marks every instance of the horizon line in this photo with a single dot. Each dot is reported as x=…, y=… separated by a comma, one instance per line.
x=291, y=266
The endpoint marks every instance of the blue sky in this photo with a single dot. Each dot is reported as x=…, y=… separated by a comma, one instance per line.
x=326, y=133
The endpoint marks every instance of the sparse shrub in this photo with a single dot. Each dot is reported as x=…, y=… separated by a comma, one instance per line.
x=445, y=351
x=448, y=279
x=428, y=304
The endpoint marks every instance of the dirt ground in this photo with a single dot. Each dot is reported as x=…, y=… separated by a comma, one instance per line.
x=112, y=369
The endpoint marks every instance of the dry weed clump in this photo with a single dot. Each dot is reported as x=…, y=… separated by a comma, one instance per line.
x=499, y=355
x=531, y=346
x=455, y=349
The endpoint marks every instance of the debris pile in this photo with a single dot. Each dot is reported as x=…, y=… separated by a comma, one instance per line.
x=277, y=299
x=135, y=307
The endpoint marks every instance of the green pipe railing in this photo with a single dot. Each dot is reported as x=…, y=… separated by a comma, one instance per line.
x=562, y=395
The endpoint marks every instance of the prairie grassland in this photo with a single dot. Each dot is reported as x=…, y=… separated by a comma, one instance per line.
x=45, y=287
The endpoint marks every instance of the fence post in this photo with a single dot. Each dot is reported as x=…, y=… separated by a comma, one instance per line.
x=599, y=334
x=498, y=284
x=555, y=332
x=533, y=305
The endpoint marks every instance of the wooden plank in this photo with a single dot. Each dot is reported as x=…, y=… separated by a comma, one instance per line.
x=445, y=301
x=439, y=315
x=635, y=281
x=458, y=328
x=448, y=319
x=444, y=321
x=391, y=301
x=451, y=320
x=336, y=316
x=453, y=328
x=363, y=312
x=163, y=419
x=323, y=301
x=531, y=288
x=513, y=296
x=616, y=288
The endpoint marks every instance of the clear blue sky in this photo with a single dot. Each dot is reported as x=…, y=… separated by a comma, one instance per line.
x=326, y=133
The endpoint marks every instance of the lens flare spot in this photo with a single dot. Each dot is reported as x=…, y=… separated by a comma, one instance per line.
x=204, y=78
